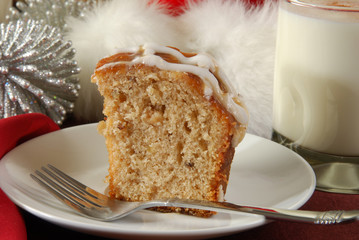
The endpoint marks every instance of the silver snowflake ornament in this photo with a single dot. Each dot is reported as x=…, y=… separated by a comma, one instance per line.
x=50, y=12
x=37, y=71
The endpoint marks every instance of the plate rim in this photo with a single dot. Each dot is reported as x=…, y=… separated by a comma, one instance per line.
x=192, y=233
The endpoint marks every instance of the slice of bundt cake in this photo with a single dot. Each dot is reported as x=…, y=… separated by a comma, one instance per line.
x=172, y=123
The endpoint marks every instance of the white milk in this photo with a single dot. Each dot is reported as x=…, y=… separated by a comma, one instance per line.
x=316, y=86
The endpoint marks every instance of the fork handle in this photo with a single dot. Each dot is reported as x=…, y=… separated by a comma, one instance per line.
x=317, y=217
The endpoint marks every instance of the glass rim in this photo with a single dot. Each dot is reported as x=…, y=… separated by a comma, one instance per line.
x=306, y=3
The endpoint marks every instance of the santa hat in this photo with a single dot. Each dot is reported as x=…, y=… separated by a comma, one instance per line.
x=239, y=34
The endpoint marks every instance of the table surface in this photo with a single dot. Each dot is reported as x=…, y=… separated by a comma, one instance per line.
x=39, y=229
x=320, y=201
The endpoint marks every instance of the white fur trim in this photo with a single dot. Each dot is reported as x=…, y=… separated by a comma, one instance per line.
x=112, y=25
x=243, y=43
x=242, y=40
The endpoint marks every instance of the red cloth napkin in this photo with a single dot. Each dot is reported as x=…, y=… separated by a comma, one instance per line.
x=14, y=131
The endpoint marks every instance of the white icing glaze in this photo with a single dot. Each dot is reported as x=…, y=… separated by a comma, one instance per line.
x=201, y=65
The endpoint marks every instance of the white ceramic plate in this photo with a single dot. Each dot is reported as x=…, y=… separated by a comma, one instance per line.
x=263, y=173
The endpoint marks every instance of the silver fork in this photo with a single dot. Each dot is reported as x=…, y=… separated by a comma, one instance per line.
x=95, y=205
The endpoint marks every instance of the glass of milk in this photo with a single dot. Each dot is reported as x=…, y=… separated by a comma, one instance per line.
x=316, y=88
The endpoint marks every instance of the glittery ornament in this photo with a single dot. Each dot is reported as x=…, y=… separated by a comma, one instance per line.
x=37, y=73
x=50, y=12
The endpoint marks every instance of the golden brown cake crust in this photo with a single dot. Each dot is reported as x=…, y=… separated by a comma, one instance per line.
x=192, y=152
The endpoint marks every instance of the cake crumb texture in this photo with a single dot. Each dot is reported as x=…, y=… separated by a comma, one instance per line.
x=165, y=138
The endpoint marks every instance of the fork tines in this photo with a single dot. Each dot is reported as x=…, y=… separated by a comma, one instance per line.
x=69, y=190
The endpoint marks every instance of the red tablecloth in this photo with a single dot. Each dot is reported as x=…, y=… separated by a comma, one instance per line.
x=320, y=201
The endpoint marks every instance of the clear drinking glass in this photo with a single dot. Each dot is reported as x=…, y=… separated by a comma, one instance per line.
x=316, y=88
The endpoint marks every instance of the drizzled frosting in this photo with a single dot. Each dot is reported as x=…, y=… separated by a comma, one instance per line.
x=202, y=65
